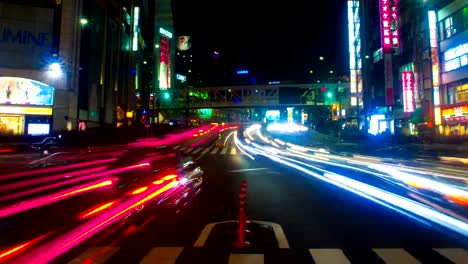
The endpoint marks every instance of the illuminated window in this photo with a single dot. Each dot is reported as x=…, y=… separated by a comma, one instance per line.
x=448, y=26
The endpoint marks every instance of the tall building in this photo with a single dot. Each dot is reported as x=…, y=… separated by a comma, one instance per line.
x=413, y=67
x=39, y=51
x=452, y=28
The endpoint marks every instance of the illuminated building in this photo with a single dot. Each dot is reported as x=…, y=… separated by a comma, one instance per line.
x=452, y=26
x=38, y=71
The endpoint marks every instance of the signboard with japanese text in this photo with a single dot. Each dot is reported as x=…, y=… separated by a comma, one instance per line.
x=394, y=23
x=407, y=81
x=385, y=29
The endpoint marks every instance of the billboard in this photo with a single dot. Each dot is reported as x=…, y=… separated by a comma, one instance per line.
x=184, y=43
x=407, y=79
x=25, y=36
x=164, y=63
x=21, y=91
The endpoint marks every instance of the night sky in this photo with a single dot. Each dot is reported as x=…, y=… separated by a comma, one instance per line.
x=274, y=40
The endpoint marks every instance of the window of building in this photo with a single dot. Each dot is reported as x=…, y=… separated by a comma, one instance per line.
x=449, y=28
x=451, y=95
x=454, y=24
x=461, y=93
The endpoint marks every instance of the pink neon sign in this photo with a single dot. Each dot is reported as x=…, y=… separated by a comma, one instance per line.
x=385, y=30
x=407, y=79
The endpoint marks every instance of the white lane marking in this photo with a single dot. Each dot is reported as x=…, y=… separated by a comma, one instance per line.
x=197, y=150
x=245, y=170
x=246, y=259
x=215, y=150
x=233, y=151
x=182, y=149
x=223, y=152
x=176, y=147
x=395, y=255
x=204, y=235
x=97, y=254
x=329, y=255
x=162, y=255
x=279, y=233
x=456, y=255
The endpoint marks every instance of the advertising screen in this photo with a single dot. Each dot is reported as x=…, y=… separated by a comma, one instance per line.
x=165, y=63
x=20, y=91
x=184, y=43
x=38, y=129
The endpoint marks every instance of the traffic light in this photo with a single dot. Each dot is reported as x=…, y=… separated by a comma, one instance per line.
x=329, y=94
x=166, y=95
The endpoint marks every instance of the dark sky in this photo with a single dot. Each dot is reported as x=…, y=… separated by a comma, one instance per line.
x=274, y=40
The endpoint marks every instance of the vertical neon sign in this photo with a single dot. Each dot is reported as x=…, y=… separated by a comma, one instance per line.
x=407, y=79
x=354, y=41
x=394, y=23
x=385, y=30
x=435, y=66
x=136, y=17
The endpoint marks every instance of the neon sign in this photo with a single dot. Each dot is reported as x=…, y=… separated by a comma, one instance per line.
x=136, y=17
x=394, y=21
x=165, y=32
x=407, y=79
x=385, y=30
x=435, y=66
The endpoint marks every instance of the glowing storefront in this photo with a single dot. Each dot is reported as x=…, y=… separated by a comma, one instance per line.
x=25, y=107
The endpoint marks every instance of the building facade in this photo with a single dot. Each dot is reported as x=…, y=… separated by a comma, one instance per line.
x=38, y=66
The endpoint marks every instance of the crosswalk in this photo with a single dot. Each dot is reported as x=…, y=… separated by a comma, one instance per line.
x=172, y=255
x=211, y=150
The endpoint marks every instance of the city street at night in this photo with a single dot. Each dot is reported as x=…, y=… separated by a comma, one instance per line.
x=330, y=208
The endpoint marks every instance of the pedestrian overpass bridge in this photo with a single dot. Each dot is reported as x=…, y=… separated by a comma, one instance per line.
x=253, y=96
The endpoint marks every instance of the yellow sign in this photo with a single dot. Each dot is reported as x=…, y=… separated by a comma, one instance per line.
x=437, y=116
x=25, y=110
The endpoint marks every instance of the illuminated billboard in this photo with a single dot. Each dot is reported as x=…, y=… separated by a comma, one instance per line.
x=164, y=63
x=407, y=79
x=184, y=43
x=21, y=91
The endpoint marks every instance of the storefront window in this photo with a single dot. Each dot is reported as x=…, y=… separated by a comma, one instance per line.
x=11, y=125
x=461, y=93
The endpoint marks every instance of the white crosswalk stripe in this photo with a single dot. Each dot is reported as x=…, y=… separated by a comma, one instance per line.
x=171, y=255
x=205, y=151
x=224, y=151
x=246, y=259
x=395, y=255
x=162, y=255
x=215, y=151
x=329, y=255
x=197, y=150
x=99, y=255
x=456, y=255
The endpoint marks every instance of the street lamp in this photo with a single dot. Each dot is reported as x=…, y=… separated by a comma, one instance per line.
x=331, y=71
x=54, y=70
x=321, y=58
x=83, y=21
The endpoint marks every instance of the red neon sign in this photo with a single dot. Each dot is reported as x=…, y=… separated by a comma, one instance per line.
x=407, y=79
x=385, y=30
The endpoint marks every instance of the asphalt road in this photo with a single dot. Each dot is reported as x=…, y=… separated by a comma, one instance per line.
x=322, y=223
